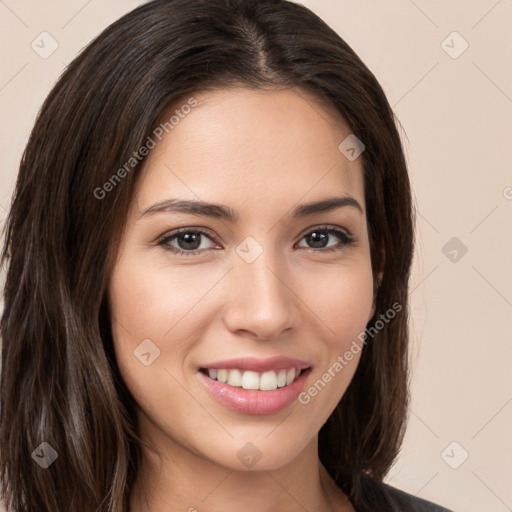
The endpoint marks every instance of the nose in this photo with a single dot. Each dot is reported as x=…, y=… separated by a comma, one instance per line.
x=261, y=299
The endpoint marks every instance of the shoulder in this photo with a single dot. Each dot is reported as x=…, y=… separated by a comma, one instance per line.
x=409, y=502
x=390, y=499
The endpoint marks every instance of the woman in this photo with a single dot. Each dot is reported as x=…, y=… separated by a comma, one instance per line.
x=208, y=256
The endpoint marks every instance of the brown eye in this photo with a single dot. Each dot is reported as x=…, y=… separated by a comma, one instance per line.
x=186, y=241
x=318, y=238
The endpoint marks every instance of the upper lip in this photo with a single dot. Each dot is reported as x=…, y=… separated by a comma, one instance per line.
x=259, y=365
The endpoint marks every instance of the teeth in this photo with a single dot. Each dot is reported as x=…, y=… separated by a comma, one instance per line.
x=222, y=375
x=250, y=380
x=266, y=381
x=281, y=378
x=235, y=378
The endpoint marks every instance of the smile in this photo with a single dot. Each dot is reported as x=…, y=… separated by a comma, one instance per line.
x=248, y=379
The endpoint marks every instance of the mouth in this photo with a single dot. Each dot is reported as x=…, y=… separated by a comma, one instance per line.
x=255, y=386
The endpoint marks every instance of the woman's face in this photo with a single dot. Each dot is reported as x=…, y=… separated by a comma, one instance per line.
x=259, y=295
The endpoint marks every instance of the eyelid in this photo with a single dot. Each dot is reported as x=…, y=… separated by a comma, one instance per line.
x=186, y=229
x=346, y=231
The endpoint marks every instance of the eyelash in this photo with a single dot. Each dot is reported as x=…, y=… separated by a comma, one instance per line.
x=345, y=237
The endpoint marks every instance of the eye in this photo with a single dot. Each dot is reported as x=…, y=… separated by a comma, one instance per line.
x=188, y=241
x=319, y=238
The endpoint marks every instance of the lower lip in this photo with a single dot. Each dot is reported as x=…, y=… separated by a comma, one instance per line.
x=253, y=401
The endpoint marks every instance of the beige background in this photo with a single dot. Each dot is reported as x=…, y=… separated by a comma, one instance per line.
x=456, y=113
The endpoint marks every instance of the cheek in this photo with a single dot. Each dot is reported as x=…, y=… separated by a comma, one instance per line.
x=341, y=298
x=150, y=310
x=151, y=300
x=160, y=303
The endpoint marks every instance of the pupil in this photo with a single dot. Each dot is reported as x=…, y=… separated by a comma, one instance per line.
x=319, y=239
x=189, y=238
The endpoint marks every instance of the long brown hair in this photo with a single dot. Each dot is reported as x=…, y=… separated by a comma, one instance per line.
x=60, y=383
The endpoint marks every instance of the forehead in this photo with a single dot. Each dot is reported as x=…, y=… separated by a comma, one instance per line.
x=252, y=148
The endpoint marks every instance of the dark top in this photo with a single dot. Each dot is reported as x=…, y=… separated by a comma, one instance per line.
x=385, y=498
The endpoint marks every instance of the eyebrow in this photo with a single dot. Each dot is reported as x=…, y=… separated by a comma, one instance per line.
x=220, y=211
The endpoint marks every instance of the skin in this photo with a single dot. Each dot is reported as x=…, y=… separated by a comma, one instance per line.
x=262, y=153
